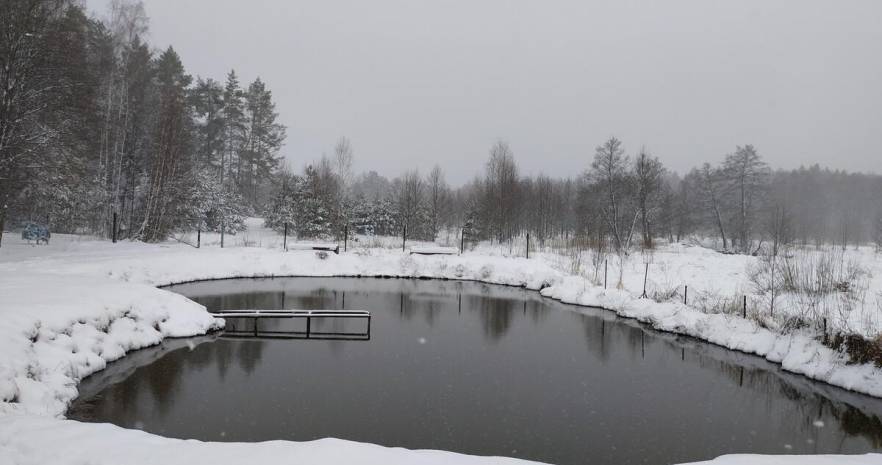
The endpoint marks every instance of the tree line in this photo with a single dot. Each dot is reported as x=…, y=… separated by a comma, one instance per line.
x=619, y=204
x=102, y=134
x=98, y=131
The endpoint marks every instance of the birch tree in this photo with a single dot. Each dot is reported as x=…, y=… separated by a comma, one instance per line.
x=748, y=175
x=648, y=181
x=438, y=198
x=501, y=191
x=708, y=183
x=609, y=171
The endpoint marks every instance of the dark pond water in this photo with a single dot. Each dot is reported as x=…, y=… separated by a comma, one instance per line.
x=477, y=369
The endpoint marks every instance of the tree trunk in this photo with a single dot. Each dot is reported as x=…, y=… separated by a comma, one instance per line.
x=2, y=220
x=720, y=226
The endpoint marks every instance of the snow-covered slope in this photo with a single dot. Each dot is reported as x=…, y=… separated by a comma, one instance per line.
x=69, y=308
x=35, y=440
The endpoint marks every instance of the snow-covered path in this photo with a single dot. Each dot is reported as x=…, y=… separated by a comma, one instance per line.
x=69, y=308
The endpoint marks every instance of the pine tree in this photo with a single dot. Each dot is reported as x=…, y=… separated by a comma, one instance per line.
x=265, y=138
x=234, y=129
x=171, y=163
x=207, y=98
x=286, y=193
x=210, y=207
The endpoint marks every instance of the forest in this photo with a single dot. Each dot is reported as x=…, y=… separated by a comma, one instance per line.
x=102, y=134
x=95, y=124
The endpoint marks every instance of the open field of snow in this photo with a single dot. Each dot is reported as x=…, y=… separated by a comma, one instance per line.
x=69, y=308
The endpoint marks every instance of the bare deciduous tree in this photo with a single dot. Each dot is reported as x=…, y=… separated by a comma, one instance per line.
x=748, y=174
x=877, y=231
x=648, y=182
x=410, y=196
x=439, y=194
x=780, y=228
x=609, y=171
x=501, y=185
x=343, y=161
x=709, y=187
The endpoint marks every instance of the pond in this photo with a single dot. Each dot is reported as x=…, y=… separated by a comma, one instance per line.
x=470, y=368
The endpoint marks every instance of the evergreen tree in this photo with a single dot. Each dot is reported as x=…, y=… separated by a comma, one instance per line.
x=265, y=137
x=207, y=98
x=234, y=128
x=171, y=163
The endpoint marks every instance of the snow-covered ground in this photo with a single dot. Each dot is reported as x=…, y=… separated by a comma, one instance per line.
x=69, y=308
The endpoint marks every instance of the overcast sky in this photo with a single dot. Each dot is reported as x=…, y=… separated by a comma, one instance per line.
x=412, y=82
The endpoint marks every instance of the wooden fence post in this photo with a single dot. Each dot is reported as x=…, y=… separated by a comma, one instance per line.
x=462, y=241
x=285, y=238
x=645, y=277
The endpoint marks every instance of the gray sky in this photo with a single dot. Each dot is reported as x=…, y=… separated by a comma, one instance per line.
x=415, y=82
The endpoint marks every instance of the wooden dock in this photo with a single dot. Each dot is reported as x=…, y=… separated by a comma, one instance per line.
x=308, y=315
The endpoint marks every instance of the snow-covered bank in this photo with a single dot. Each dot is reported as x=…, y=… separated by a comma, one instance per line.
x=748, y=459
x=69, y=308
x=797, y=352
x=23, y=441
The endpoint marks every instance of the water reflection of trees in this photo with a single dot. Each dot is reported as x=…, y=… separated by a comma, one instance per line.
x=496, y=315
x=760, y=377
x=243, y=301
x=157, y=384
x=596, y=335
x=855, y=423
x=770, y=383
x=153, y=389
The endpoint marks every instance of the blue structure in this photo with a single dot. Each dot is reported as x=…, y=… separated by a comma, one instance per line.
x=35, y=232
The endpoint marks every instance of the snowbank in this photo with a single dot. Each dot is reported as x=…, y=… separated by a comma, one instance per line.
x=68, y=309
x=746, y=459
x=23, y=442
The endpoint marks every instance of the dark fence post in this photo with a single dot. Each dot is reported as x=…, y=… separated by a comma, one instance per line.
x=528, y=245
x=685, y=293
x=223, y=229
x=345, y=238
x=404, y=237
x=462, y=241
x=113, y=233
x=645, y=277
x=744, y=308
x=198, y=237
x=285, y=238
